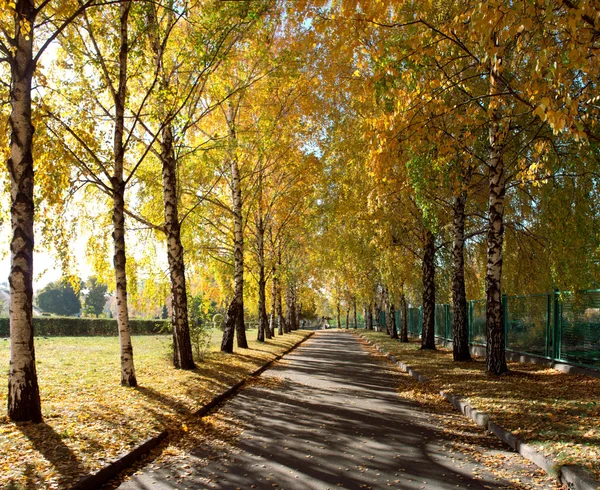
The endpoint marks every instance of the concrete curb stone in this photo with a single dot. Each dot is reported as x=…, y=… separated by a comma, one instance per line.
x=111, y=470
x=575, y=477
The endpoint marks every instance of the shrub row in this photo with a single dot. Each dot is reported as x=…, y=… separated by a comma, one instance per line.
x=82, y=327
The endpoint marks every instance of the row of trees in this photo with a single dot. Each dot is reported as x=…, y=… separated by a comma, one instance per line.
x=462, y=153
x=172, y=127
x=359, y=153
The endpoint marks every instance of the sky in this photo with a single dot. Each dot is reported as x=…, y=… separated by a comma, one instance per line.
x=45, y=269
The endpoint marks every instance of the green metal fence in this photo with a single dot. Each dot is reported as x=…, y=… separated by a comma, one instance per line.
x=559, y=326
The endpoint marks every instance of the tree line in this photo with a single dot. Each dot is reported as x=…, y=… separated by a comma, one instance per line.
x=357, y=154
x=462, y=153
x=174, y=128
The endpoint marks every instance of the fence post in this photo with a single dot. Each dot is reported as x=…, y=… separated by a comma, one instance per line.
x=505, y=319
x=556, y=334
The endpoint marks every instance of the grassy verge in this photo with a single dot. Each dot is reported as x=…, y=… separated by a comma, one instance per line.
x=89, y=419
x=555, y=411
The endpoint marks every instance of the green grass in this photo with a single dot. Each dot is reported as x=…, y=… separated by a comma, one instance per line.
x=90, y=419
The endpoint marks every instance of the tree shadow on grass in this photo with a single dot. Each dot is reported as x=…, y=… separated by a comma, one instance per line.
x=52, y=448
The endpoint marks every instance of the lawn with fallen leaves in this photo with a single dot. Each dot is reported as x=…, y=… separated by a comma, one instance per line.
x=555, y=411
x=89, y=419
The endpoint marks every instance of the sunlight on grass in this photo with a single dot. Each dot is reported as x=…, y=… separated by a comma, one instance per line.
x=89, y=419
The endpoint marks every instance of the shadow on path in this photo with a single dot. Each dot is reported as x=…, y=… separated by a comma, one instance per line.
x=330, y=417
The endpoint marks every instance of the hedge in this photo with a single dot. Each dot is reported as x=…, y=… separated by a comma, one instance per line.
x=57, y=326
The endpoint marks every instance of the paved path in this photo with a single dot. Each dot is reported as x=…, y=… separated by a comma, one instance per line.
x=329, y=416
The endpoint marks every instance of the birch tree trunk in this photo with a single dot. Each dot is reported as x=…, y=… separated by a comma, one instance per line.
x=293, y=315
x=386, y=307
x=460, y=326
x=290, y=310
x=370, y=316
x=229, y=327
x=280, y=317
x=428, y=270
x=404, y=328
x=339, y=319
x=298, y=315
x=182, y=346
x=495, y=350
x=347, y=317
x=355, y=318
x=393, y=325
x=273, y=318
x=238, y=255
x=23, y=391
x=118, y=218
x=234, y=323
x=263, y=322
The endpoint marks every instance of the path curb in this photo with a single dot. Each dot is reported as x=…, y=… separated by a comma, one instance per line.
x=125, y=460
x=575, y=477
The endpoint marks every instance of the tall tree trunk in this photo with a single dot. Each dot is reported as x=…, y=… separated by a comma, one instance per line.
x=229, y=327
x=460, y=326
x=280, y=317
x=404, y=310
x=290, y=309
x=238, y=255
x=118, y=186
x=386, y=308
x=236, y=322
x=428, y=269
x=182, y=347
x=370, y=316
x=339, y=319
x=263, y=323
x=393, y=321
x=355, y=319
x=495, y=351
x=23, y=391
x=347, y=317
x=273, y=317
x=377, y=315
x=294, y=310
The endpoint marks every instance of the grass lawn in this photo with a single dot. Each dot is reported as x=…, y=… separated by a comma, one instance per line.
x=557, y=412
x=89, y=419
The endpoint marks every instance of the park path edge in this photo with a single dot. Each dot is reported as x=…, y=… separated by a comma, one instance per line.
x=575, y=477
x=126, y=460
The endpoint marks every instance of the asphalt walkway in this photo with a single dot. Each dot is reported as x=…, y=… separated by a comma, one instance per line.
x=330, y=416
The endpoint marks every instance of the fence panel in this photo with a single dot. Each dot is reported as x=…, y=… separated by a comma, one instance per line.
x=477, y=322
x=559, y=326
x=579, y=329
x=450, y=320
x=381, y=320
x=440, y=321
x=414, y=322
x=528, y=322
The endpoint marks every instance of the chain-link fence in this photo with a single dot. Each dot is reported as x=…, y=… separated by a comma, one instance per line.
x=559, y=326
